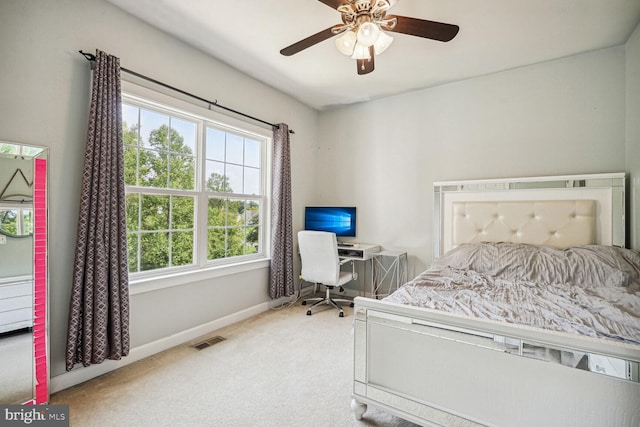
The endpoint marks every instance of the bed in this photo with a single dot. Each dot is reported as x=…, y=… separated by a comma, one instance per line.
x=528, y=316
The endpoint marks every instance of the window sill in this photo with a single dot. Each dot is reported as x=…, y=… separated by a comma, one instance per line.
x=150, y=284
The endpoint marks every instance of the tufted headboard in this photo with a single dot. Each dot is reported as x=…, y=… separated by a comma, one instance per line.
x=557, y=223
x=554, y=211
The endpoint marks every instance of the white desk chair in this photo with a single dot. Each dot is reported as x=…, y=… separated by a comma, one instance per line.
x=321, y=266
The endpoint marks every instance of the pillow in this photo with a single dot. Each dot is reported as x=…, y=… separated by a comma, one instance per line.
x=583, y=266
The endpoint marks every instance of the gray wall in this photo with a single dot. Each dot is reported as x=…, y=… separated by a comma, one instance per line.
x=633, y=132
x=559, y=117
x=45, y=95
x=16, y=257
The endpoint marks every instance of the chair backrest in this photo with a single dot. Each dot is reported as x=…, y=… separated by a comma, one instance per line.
x=319, y=254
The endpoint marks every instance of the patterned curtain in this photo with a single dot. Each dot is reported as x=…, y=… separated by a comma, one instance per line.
x=281, y=281
x=99, y=307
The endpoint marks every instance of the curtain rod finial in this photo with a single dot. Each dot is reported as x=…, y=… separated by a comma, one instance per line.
x=88, y=56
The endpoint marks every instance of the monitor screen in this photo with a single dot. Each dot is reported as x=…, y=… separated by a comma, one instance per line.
x=336, y=219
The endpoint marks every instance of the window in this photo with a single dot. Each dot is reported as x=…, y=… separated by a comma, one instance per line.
x=233, y=187
x=16, y=221
x=195, y=189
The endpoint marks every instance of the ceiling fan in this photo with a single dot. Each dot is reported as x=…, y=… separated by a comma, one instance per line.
x=362, y=29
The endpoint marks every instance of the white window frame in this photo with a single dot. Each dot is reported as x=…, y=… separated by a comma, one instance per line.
x=147, y=281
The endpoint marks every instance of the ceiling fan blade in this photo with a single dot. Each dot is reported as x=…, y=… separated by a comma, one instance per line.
x=365, y=66
x=308, y=42
x=333, y=3
x=423, y=28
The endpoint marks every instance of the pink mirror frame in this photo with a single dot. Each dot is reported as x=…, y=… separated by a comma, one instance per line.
x=40, y=284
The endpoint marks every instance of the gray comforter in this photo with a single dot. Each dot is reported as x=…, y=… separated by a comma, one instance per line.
x=589, y=290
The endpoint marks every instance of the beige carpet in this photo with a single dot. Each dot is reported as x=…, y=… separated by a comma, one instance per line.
x=16, y=371
x=280, y=368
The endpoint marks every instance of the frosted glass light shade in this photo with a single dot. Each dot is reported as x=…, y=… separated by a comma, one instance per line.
x=346, y=43
x=361, y=52
x=382, y=43
x=368, y=33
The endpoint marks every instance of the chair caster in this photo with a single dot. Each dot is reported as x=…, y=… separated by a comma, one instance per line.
x=308, y=312
x=341, y=314
x=304, y=303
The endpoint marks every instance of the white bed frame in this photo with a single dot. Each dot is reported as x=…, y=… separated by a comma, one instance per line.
x=440, y=369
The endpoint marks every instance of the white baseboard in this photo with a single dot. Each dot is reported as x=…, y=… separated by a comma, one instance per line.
x=81, y=374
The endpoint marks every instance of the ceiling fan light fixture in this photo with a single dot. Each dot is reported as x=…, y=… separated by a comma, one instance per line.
x=361, y=52
x=362, y=33
x=346, y=43
x=382, y=42
x=368, y=33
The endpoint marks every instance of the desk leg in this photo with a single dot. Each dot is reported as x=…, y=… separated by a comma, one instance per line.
x=362, y=279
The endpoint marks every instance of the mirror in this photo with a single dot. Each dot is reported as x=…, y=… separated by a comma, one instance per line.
x=23, y=273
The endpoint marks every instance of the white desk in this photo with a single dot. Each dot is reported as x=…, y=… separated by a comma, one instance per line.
x=361, y=252
x=358, y=251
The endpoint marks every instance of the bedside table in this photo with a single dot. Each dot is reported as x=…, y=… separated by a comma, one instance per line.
x=389, y=272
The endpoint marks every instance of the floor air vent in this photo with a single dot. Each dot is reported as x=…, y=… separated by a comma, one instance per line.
x=209, y=342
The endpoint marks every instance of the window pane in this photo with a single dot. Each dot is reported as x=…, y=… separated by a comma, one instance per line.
x=27, y=221
x=132, y=204
x=130, y=124
x=154, y=251
x=235, y=149
x=153, y=169
x=130, y=165
x=216, y=180
x=154, y=129
x=161, y=169
x=183, y=170
x=252, y=153
x=183, y=136
x=235, y=213
x=251, y=181
x=182, y=213
x=155, y=212
x=7, y=148
x=30, y=151
x=215, y=144
x=235, y=241
x=217, y=209
x=234, y=177
x=9, y=221
x=253, y=236
x=182, y=248
x=132, y=251
x=217, y=240
x=253, y=213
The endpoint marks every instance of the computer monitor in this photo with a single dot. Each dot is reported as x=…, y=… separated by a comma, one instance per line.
x=336, y=219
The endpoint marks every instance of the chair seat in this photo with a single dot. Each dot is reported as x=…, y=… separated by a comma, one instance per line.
x=344, y=277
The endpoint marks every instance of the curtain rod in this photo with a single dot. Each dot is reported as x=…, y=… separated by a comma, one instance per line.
x=91, y=57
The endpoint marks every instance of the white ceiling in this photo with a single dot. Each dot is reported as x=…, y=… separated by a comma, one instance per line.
x=494, y=35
